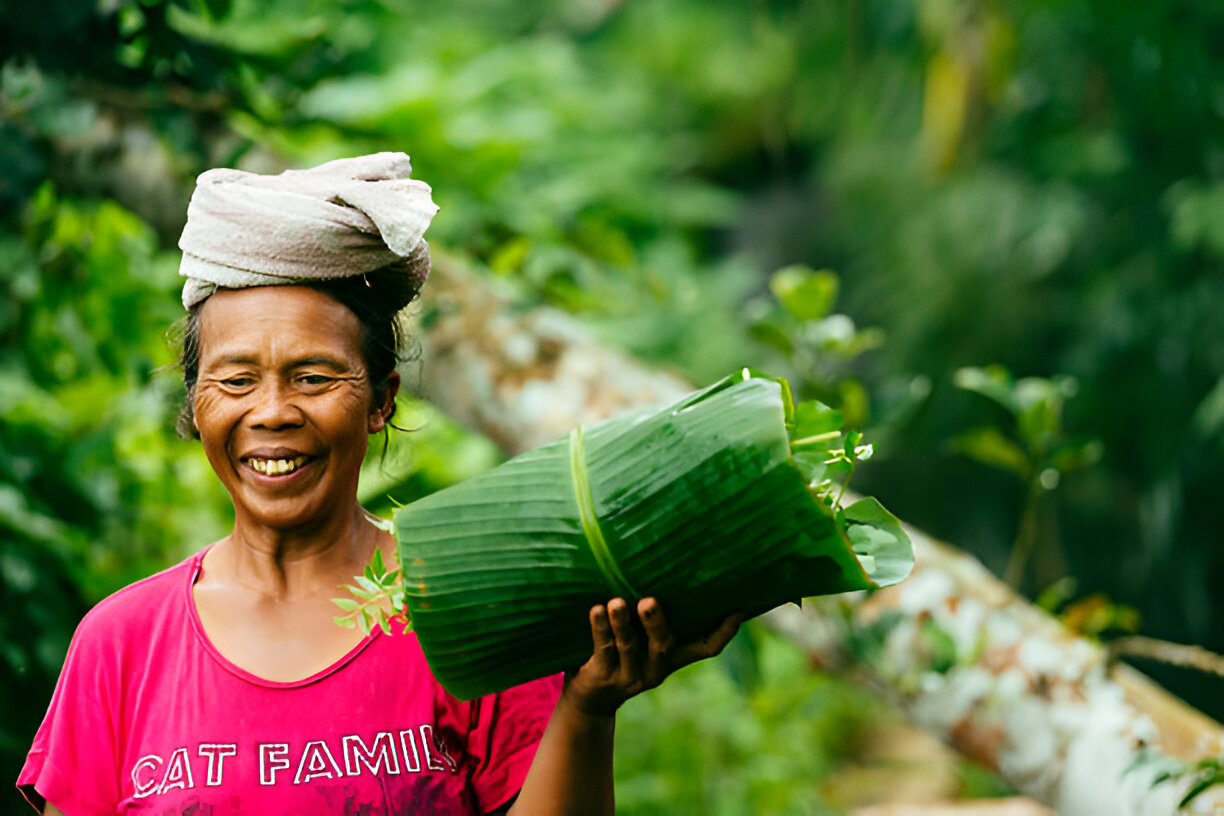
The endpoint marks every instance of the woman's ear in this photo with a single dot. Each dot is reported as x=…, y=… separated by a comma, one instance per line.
x=381, y=411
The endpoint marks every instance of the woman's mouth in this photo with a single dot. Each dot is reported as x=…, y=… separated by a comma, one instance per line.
x=277, y=467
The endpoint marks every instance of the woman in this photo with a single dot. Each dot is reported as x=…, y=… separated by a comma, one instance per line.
x=222, y=685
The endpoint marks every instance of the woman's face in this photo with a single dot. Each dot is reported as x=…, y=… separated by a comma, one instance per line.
x=283, y=403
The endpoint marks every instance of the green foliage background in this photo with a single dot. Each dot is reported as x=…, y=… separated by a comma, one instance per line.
x=1037, y=185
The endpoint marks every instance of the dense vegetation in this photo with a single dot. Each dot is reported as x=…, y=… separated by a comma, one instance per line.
x=1036, y=187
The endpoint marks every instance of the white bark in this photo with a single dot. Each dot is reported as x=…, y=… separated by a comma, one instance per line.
x=522, y=378
x=1019, y=692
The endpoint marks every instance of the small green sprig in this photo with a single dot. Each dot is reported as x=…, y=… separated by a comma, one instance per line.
x=378, y=599
x=823, y=452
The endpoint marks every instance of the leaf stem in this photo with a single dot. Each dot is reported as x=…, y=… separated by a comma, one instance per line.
x=842, y=491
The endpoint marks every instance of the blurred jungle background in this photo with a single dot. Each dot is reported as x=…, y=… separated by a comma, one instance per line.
x=991, y=233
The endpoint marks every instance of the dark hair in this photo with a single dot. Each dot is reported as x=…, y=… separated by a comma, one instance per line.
x=376, y=298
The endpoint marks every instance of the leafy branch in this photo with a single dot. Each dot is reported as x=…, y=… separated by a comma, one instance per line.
x=378, y=599
x=1038, y=450
x=796, y=319
x=823, y=452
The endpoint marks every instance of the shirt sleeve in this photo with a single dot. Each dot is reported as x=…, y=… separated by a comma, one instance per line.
x=72, y=763
x=505, y=730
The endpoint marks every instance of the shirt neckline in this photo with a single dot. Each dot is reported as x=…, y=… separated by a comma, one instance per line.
x=195, y=567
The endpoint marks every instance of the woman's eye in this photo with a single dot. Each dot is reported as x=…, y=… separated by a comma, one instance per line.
x=237, y=382
x=314, y=379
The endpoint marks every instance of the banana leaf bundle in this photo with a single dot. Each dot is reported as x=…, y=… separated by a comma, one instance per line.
x=722, y=502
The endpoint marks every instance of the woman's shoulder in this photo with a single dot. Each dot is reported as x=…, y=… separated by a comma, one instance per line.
x=144, y=602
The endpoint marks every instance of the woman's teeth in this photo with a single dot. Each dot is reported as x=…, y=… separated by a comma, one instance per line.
x=276, y=467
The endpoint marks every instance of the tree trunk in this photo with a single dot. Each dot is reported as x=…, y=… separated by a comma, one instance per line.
x=962, y=655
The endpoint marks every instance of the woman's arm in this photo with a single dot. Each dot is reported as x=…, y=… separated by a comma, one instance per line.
x=572, y=770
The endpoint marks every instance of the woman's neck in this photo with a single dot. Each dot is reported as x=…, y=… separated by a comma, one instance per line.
x=295, y=563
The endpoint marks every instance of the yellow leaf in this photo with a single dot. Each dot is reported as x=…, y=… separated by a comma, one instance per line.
x=944, y=108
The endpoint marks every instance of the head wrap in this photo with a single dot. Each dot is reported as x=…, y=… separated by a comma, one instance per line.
x=343, y=218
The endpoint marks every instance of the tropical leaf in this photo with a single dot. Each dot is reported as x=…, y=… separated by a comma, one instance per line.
x=700, y=504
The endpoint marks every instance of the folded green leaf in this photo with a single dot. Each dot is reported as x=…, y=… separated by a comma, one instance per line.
x=707, y=505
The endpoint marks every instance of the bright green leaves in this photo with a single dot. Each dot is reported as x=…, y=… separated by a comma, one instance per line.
x=378, y=598
x=823, y=452
x=814, y=342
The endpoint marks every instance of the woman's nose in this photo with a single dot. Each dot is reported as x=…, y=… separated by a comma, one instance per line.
x=274, y=406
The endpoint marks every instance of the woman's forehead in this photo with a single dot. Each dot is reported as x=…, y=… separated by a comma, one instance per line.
x=277, y=320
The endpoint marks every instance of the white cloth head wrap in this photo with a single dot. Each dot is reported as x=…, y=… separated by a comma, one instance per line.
x=342, y=218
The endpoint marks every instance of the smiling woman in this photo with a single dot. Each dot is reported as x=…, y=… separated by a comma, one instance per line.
x=284, y=403
x=221, y=685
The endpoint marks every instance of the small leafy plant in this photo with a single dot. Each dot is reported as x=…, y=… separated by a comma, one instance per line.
x=796, y=319
x=1038, y=449
x=824, y=452
x=377, y=599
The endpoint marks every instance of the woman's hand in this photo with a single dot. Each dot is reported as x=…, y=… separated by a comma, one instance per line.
x=572, y=769
x=634, y=653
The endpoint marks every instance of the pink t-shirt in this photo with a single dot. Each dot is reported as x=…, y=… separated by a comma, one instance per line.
x=149, y=718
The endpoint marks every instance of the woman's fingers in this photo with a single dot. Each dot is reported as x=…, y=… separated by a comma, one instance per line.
x=712, y=643
x=635, y=650
x=662, y=653
x=628, y=644
x=640, y=651
x=604, y=639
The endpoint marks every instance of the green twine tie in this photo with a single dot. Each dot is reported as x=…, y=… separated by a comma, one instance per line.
x=590, y=521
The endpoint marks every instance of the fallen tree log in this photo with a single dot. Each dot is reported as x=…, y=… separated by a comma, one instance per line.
x=957, y=650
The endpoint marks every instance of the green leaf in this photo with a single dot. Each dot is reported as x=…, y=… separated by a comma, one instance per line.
x=853, y=438
x=1076, y=455
x=816, y=426
x=838, y=463
x=699, y=504
x=1208, y=781
x=992, y=382
x=812, y=465
x=769, y=333
x=803, y=292
x=347, y=604
x=875, y=532
x=990, y=447
x=939, y=645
